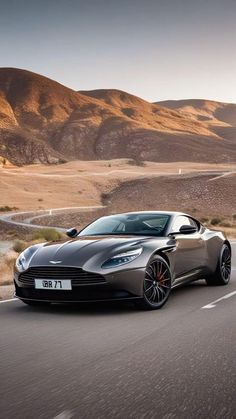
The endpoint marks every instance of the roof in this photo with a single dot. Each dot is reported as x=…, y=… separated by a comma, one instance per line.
x=152, y=212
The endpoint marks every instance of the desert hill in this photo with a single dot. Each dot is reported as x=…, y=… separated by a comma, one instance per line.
x=44, y=121
x=204, y=109
x=33, y=109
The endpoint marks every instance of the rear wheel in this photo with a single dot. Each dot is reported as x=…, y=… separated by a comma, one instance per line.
x=223, y=270
x=157, y=284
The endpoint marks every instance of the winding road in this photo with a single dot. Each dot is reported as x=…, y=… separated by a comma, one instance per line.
x=28, y=217
x=113, y=361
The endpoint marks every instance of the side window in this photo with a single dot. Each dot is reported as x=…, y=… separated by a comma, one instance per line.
x=193, y=223
x=180, y=221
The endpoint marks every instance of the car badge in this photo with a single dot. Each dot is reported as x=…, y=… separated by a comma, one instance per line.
x=55, y=262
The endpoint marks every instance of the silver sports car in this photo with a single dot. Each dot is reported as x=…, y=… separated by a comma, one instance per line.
x=137, y=256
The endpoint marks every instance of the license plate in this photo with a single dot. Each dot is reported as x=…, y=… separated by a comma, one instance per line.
x=53, y=284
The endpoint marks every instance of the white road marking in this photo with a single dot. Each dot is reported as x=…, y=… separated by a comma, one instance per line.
x=225, y=297
x=66, y=414
x=220, y=176
x=8, y=301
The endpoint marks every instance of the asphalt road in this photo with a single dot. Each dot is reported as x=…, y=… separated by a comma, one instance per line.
x=116, y=362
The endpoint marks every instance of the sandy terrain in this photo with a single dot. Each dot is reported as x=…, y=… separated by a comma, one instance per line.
x=80, y=183
x=204, y=191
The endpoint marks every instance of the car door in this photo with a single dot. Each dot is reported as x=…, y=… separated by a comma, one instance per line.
x=190, y=252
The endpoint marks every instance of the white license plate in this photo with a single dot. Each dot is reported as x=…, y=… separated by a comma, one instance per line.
x=53, y=284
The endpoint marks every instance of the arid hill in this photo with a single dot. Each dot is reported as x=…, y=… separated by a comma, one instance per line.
x=43, y=121
x=220, y=116
x=204, y=109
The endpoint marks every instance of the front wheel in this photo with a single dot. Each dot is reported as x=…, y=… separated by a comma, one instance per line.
x=157, y=284
x=223, y=270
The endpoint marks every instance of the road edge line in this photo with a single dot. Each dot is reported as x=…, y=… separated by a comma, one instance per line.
x=8, y=301
x=212, y=304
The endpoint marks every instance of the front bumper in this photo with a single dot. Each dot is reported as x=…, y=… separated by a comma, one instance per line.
x=121, y=285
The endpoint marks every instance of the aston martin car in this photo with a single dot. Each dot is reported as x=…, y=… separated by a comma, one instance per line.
x=138, y=256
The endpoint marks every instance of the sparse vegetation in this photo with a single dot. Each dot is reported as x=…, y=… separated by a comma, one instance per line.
x=3, y=161
x=19, y=246
x=215, y=221
x=6, y=267
x=48, y=234
x=204, y=220
x=104, y=196
x=6, y=208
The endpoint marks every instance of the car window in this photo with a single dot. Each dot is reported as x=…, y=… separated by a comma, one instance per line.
x=140, y=224
x=156, y=222
x=193, y=223
x=180, y=221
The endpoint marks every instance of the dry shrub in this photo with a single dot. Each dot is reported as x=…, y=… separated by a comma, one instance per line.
x=19, y=246
x=204, y=220
x=6, y=208
x=215, y=221
x=48, y=234
x=7, y=262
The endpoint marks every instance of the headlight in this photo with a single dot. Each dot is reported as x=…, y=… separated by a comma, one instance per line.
x=122, y=258
x=23, y=260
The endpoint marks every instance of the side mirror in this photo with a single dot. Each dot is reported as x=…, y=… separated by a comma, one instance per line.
x=185, y=229
x=72, y=232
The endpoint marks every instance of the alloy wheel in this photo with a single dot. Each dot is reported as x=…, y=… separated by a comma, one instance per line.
x=226, y=264
x=157, y=282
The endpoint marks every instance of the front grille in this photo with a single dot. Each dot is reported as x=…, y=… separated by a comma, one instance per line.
x=77, y=275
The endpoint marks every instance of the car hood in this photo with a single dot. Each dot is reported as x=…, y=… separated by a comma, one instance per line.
x=85, y=250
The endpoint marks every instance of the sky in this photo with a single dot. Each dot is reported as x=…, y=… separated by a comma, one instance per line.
x=155, y=49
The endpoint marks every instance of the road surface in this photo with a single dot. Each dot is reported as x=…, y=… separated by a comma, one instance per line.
x=113, y=361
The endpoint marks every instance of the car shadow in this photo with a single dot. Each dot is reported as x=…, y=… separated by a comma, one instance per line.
x=106, y=307
x=85, y=308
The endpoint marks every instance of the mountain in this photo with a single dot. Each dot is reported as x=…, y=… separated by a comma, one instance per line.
x=44, y=121
x=33, y=113
x=220, y=116
x=204, y=109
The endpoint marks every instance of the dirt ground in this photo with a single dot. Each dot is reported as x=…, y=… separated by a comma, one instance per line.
x=80, y=183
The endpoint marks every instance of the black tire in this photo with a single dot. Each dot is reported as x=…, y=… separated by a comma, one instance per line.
x=35, y=303
x=222, y=273
x=156, y=285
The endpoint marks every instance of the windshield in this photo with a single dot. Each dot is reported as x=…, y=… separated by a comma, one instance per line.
x=128, y=224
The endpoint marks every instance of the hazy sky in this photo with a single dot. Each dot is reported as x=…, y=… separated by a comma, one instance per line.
x=156, y=49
